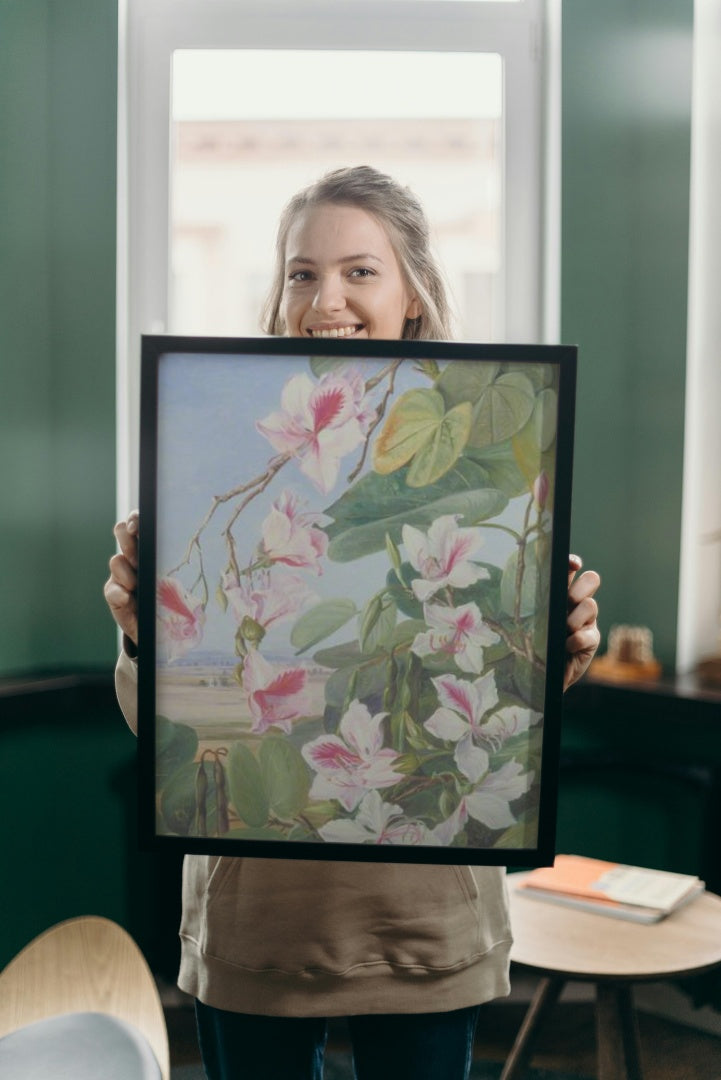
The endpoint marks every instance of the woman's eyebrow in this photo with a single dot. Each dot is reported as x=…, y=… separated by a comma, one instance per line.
x=361, y=257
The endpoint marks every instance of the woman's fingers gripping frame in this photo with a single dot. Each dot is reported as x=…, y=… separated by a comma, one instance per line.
x=121, y=587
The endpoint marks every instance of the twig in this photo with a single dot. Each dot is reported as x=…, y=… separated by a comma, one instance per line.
x=264, y=479
x=262, y=484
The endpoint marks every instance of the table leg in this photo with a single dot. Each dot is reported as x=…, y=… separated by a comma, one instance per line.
x=545, y=997
x=617, y=1033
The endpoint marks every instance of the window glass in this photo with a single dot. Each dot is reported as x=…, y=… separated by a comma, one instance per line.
x=251, y=127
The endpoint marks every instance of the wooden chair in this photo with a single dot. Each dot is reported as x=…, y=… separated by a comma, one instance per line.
x=85, y=967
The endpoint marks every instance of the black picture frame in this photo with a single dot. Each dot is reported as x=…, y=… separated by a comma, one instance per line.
x=353, y=573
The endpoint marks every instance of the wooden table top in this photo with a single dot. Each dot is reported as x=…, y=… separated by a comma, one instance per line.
x=582, y=945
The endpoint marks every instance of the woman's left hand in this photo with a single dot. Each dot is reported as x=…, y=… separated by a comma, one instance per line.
x=582, y=633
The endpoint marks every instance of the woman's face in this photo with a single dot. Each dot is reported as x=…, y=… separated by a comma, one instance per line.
x=342, y=277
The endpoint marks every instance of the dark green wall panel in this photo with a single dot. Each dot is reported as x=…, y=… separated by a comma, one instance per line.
x=626, y=144
x=58, y=80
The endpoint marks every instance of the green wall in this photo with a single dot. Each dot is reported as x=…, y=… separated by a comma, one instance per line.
x=626, y=145
x=58, y=72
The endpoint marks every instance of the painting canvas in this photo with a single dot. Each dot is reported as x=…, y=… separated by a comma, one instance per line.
x=352, y=597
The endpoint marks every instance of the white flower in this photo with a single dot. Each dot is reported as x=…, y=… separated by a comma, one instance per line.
x=377, y=822
x=441, y=556
x=458, y=632
x=460, y=719
x=348, y=765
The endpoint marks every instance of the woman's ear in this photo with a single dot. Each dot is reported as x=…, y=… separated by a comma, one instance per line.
x=415, y=309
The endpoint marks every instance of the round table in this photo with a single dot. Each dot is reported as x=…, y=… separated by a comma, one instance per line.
x=562, y=944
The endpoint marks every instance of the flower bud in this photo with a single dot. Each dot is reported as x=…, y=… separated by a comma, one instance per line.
x=540, y=490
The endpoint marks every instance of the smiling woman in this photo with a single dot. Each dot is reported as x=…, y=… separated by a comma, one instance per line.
x=336, y=294
x=353, y=259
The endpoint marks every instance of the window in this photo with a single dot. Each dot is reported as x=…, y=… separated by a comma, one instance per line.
x=227, y=107
x=236, y=160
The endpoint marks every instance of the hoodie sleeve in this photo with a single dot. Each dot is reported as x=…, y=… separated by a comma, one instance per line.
x=126, y=688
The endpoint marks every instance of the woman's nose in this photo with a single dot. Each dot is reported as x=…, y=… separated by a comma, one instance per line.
x=329, y=296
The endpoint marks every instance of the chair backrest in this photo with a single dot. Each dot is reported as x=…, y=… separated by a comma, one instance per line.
x=87, y=964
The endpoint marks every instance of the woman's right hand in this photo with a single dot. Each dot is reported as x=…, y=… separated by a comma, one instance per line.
x=121, y=587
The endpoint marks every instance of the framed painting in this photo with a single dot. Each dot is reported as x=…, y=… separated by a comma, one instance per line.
x=352, y=597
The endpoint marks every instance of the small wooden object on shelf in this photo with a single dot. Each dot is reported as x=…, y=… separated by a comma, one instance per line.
x=708, y=670
x=629, y=657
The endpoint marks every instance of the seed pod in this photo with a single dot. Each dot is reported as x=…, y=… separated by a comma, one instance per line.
x=201, y=798
x=221, y=796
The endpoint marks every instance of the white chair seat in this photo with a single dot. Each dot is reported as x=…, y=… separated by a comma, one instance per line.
x=78, y=1046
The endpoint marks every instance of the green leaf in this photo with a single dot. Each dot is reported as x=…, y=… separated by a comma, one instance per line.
x=285, y=776
x=411, y=422
x=377, y=623
x=246, y=786
x=433, y=460
x=503, y=409
x=320, y=811
x=320, y=622
x=501, y=467
x=522, y=835
x=540, y=375
x=321, y=365
x=175, y=745
x=534, y=445
x=177, y=801
x=370, y=680
x=544, y=418
x=340, y=656
x=395, y=557
x=486, y=594
x=466, y=381
x=377, y=505
x=406, y=632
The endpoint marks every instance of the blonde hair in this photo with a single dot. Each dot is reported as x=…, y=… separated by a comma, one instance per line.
x=403, y=217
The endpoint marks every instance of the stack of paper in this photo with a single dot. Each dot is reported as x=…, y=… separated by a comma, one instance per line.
x=608, y=888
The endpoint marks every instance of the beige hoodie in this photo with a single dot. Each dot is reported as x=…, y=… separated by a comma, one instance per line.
x=294, y=937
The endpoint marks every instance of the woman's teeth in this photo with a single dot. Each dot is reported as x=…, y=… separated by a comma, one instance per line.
x=336, y=332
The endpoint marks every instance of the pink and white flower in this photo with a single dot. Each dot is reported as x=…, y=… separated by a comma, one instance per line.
x=463, y=719
x=460, y=719
x=319, y=422
x=459, y=633
x=180, y=619
x=265, y=597
x=489, y=803
x=442, y=555
x=291, y=537
x=353, y=762
x=507, y=722
x=377, y=822
x=276, y=697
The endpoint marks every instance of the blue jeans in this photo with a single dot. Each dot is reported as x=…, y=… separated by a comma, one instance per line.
x=414, y=1046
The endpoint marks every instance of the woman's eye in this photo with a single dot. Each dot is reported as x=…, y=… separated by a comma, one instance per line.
x=300, y=276
x=362, y=272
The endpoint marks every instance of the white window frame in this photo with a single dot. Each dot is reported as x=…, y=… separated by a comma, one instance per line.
x=526, y=34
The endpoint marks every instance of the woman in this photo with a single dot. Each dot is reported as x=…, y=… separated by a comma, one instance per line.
x=271, y=948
